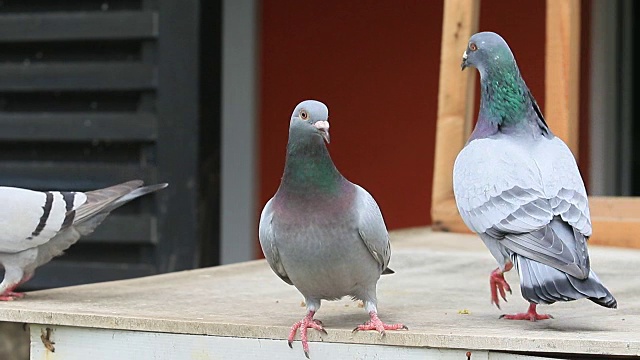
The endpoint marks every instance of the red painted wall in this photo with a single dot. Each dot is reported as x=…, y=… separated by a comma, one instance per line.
x=376, y=65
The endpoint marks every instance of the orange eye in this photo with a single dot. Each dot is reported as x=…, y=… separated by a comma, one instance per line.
x=473, y=47
x=304, y=115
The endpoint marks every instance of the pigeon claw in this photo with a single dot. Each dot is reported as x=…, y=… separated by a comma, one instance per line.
x=531, y=315
x=11, y=295
x=376, y=324
x=304, y=324
x=499, y=285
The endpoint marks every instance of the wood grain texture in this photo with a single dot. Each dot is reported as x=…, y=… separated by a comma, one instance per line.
x=455, y=96
x=562, y=75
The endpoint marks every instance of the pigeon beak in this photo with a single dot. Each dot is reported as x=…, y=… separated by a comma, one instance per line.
x=323, y=128
x=464, y=61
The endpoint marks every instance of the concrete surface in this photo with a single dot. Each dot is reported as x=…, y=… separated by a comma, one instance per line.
x=439, y=278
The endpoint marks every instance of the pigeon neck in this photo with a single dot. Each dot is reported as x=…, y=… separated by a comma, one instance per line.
x=309, y=169
x=504, y=97
x=506, y=105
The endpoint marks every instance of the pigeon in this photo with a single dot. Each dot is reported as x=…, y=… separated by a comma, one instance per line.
x=38, y=226
x=517, y=185
x=321, y=233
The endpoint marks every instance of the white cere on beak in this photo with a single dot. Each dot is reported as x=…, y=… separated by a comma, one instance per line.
x=464, y=55
x=323, y=127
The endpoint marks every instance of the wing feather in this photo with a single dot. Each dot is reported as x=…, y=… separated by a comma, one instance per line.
x=31, y=218
x=533, y=199
x=372, y=228
x=267, y=237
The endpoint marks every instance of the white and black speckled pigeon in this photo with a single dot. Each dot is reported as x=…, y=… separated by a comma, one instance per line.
x=37, y=226
x=518, y=186
x=320, y=232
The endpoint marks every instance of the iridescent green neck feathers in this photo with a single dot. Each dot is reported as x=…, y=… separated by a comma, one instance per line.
x=309, y=169
x=505, y=99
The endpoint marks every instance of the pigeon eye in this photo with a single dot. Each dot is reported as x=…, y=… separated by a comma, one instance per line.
x=304, y=115
x=473, y=47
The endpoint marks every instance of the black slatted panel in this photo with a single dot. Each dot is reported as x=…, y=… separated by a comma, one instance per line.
x=91, y=94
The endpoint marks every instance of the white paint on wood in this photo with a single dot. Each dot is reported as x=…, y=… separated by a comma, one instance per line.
x=72, y=343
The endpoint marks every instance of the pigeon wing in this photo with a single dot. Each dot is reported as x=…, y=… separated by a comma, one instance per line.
x=372, y=229
x=31, y=218
x=517, y=200
x=267, y=237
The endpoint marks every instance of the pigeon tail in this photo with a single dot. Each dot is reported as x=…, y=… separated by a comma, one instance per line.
x=542, y=284
x=101, y=202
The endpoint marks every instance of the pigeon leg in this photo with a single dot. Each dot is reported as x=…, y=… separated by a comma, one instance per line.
x=16, y=295
x=9, y=294
x=12, y=278
x=376, y=324
x=499, y=285
x=307, y=322
x=531, y=315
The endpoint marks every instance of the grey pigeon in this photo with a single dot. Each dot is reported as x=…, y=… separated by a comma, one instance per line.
x=38, y=226
x=518, y=186
x=320, y=232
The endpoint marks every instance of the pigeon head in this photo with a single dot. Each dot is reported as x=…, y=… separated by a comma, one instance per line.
x=487, y=51
x=505, y=99
x=312, y=118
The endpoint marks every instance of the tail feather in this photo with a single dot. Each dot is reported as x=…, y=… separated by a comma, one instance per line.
x=388, y=271
x=101, y=202
x=542, y=284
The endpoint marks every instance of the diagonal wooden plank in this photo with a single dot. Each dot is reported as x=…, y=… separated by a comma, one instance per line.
x=562, y=70
x=455, y=99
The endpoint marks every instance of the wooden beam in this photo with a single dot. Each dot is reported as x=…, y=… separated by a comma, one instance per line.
x=562, y=70
x=615, y=220
x=455, y=97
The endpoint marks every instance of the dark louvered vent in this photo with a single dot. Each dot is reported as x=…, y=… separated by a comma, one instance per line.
x=93, y=93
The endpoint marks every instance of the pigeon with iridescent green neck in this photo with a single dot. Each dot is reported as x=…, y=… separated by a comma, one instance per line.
x=518, y=186
x=320, y=232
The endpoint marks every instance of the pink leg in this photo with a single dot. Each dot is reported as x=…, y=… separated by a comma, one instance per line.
x=307, y=322
x=499, y=284
x=376, y=324
x=531, y=315
x=10, y=295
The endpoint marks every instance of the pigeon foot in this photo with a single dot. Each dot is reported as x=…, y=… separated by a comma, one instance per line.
x=531, y=315
x=10, y=295
x=498, y=284
x=376, y=324
x=303, y=325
